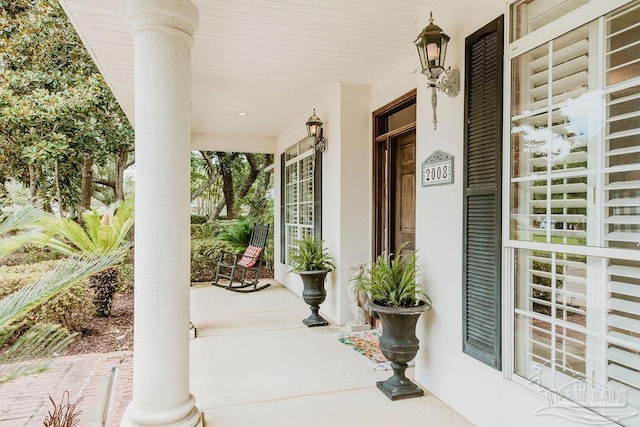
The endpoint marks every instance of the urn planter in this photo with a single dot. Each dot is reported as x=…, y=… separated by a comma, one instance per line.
x=314, y=295
x=399, y=345
x=310, y=260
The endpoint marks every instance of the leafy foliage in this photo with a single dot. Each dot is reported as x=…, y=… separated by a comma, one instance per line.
x=41, y=340
x=309, y=254
x=208, y=230
x=17, y=228
x=198, y=219
x=70, y=307
x=238, y=235
x=205, y=254
x=57, y=113
x=392, y=281
x=100, y=236
x=235, y=181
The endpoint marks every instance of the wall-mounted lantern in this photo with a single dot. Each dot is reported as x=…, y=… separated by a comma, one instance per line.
x=432, y=49
x=315, y=132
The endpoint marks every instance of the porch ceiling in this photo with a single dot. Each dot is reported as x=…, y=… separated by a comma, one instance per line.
x=270, y=58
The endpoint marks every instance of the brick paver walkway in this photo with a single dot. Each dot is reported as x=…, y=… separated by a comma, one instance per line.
x=25, y=401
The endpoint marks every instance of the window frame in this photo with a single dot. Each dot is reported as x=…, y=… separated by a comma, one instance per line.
x=316, y=194
x=582, y=16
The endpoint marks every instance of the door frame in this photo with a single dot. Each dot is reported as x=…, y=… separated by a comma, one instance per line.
x=382, y=136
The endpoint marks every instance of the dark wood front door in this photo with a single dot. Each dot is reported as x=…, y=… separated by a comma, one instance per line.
x=404, y=192
x=394, y=174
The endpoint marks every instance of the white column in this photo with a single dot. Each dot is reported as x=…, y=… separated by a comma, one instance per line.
x=163, y=35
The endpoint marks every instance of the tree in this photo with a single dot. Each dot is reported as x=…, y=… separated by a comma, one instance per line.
x=206, y=184
x=58, y=117
x=235, y=176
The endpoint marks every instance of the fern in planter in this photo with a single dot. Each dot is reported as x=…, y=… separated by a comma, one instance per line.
x=397, y=298
x=310, y=255
x=312, y=262
x=392, y=282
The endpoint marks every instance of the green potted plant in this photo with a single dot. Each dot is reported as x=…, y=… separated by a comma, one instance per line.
x=397, y=297
x=310, y=259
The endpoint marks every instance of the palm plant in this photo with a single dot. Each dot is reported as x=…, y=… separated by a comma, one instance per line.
x=309, y=254
x=100, y=236
x=18, y=228
x=391, y=281
x=19, y=342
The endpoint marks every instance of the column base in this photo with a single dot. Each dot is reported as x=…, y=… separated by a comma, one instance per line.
x=187, y=415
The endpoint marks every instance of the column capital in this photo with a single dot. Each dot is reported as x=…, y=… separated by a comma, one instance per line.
x=163, y=15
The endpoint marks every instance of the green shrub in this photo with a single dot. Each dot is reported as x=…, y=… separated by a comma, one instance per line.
x=125, y=279
x=70, y=308
x=207, y=230
x=198, y=219
x=223, y=225
x=15, y=277
x=29, y=254
x=205, y=254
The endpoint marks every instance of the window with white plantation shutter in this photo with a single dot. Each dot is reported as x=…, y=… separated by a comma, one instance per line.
x=301, y=195
x=621, y=211
x=550, y=141
x=574, y=237
x=622, y=140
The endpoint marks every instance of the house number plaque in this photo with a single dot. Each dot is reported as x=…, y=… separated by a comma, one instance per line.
x=437, y=169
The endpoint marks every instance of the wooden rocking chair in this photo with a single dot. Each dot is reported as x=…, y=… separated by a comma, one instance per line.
x=247, y=264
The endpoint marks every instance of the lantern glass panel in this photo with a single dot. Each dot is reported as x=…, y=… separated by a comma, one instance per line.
x=433, y=52
x=443, y=51
x=421, y=54
x=313, y=129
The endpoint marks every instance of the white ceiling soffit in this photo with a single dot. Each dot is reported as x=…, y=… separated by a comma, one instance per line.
x=269, y=58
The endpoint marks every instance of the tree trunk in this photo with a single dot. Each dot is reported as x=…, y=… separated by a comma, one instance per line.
x=227, y=190
x=211, y=179
x=87, y=181
x=32, y=182
x=122, y=163
x=254, y=171
x=215, y=213
x=224, y=164
x=58, y=190
x=257, y=210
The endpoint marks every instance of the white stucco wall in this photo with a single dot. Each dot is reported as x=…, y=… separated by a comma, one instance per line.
x=355, y=189
x=346, y=191
x=483, y=395
x=477, y=391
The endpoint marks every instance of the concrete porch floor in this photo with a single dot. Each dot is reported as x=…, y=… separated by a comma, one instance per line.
x=253, y=363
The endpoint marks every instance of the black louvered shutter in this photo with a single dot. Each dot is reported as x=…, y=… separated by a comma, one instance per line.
x=317, y=195
x=482, y=332
x=283, y=242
